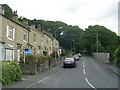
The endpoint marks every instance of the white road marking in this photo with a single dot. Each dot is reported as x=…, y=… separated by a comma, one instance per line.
x=84, y=71
x=38, y=81
x=83, y=66
x=89, y=83
x=83, y=63
x=31, y=85
x=43, y=79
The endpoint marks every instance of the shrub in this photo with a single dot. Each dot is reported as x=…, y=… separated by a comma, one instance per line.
x=117, y=57
x=66, y=53
x=28, y=59
x=45, y=53
x=10, y=73
x=41, y=59
x=35, y=59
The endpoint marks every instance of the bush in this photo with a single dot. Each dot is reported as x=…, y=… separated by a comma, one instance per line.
x=28, y=59
x=10, y=73
x=35, y=59
x=117, y=57
x=41, y=59
x=45, y=53
x=66, y=53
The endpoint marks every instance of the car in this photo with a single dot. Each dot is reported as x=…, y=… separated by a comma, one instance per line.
x=69, y=62
x=79, y=54
x=76, y=57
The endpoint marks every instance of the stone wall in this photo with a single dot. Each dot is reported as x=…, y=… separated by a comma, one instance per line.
x=37, y=68
x=102, y=56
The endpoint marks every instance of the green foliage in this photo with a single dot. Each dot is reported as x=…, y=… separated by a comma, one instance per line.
x=30, y=58
x=105, y=43
x=45, y=53
x=117, y=57
x=35, y=58
x=8, y=11
x=66, y=53
x=10, y=73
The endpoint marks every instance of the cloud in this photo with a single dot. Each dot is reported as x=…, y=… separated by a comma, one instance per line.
x=74, y=12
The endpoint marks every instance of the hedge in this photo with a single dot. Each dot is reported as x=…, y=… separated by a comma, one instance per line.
x=34, y=59
x=10, y=73
x=117, y=57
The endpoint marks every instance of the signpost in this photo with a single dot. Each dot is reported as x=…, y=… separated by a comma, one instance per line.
x=27, y=52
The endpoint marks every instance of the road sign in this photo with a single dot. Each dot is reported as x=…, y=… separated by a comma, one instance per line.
x=27, y=51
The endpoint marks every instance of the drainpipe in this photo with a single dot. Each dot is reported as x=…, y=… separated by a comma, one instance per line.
x=29, y=37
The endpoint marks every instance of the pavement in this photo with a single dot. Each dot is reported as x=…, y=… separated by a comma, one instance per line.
x=114, y=69
x=110, y=67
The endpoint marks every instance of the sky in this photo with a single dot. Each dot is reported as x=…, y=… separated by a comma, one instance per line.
x=73, y=12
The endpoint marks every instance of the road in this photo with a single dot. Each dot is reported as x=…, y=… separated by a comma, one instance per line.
x=89, y=73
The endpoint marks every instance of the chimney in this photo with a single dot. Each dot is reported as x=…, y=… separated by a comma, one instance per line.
x=25, y=21
x=39, y=28
x=2, y=10
x=33, y=25
x=15, y=16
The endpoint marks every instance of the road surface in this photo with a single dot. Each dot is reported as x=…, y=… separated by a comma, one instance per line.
x=89, y=73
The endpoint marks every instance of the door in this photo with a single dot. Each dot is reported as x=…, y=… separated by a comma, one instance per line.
x=18, y=54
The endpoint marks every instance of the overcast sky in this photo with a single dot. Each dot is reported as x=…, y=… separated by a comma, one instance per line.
x=73, y=12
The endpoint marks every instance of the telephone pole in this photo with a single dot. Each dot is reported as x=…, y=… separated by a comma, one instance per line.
x=97, y=42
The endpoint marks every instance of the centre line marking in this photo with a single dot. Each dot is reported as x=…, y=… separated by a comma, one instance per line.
x=83, y=66
x=89, y=83
x=84, y=71
x=83, y=63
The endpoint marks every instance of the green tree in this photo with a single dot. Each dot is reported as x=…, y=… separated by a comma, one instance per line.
x=8, y=11
x=117, y=57
x=98, y=37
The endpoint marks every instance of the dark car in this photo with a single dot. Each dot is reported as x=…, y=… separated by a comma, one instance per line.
x=69, y=62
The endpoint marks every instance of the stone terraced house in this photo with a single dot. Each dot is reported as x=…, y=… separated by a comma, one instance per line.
x=15, y=37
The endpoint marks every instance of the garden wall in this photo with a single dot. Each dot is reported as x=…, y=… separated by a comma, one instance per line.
x=33, y=68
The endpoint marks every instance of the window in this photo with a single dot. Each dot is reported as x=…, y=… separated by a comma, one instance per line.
x=25, y=36
x=9, y=55
x=47, y=41
x=10, y=32
x=34, y=38
x=39, y=47
x=41, y=40
x=1, y=52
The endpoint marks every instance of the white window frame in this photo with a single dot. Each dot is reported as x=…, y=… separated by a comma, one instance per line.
x=13, y=33
x=34, y=39
x=9, y=54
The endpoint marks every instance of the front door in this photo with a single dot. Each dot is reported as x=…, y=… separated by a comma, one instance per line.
x=18, y=54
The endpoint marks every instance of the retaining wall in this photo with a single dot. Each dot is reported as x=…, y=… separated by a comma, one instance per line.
x=102, y=56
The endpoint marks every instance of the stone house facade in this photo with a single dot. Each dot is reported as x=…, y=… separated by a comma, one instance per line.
x=16, y=37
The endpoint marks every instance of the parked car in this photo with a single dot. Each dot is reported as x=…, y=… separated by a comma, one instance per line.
x=79, y=54
x=69, y=62
x=76, y=57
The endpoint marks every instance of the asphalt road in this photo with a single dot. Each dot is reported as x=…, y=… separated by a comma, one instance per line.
x=88, y=74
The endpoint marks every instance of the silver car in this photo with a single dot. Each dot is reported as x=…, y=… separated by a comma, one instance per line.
x=69, y=62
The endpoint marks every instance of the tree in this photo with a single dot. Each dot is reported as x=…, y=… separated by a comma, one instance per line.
x=98, y=37
x=117, y=57
x=8, y=11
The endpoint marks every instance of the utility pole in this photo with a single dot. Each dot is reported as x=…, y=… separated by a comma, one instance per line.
x=55, y=45
x=97, y=42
